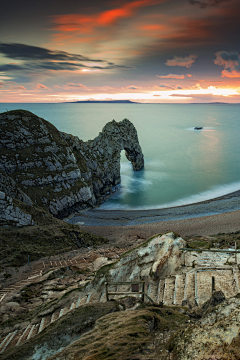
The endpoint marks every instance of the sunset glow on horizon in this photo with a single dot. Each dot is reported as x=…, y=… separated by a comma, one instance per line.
x=161, y=51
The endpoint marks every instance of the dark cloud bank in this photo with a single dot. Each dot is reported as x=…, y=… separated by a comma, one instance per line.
x=38, y=58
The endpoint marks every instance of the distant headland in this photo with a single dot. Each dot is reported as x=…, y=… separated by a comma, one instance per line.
x=103, y=101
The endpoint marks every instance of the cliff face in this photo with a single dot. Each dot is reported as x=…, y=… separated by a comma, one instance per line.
x=58, y=171
x=102, y=154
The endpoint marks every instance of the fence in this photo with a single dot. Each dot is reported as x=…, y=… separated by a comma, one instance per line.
x=134, y=289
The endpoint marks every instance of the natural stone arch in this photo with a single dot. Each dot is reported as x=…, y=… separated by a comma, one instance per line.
x=107, y=147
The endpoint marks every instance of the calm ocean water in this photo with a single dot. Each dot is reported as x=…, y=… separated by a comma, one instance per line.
x=182, y=165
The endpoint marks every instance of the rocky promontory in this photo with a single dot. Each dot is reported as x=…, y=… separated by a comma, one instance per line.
x=43, y=166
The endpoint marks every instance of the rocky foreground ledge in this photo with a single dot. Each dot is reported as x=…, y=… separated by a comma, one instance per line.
x=42, y=166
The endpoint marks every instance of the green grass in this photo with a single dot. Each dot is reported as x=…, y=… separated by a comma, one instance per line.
x=49, y=237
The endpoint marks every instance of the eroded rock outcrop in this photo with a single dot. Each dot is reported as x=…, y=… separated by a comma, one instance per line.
x=102, y=154
x=58, y=171
x=158, y=258
x=11, y=215
x=212, y=338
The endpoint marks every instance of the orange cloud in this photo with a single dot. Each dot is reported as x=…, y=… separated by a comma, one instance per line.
x=230, y=74
x=231, y=63
x=41, y=87
x=19, y=87
x=78, y=23
x=111, y=16
x=71, y=85
x=74, y=23
x=171, y=76
x=154, y=27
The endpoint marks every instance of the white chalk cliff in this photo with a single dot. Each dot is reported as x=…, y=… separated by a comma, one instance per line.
x=42, y=166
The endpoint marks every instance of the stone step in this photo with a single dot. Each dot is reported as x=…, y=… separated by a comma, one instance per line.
x=236, y=274
x=212, y=259
x=7, y=341
x=4, y=340
x=203, y=286
x=225, y=280
x=66, y=309
x=24, y=335
x=179, y=289
x=161, y=286
x=15, y=339
x=103, y=296
x=33, y=331
x=2, y=296
x=153, y=291
x=81, y=301
x=41, y=325
x=30, y=332
x=55, y=316
x=73, y=305
x=44, y=323
x=169, y=288
x=96, y=297
x=93, y=297
x=61, y=313
x=189, y=290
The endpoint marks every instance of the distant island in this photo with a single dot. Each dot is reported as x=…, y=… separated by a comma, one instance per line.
x=103, y=101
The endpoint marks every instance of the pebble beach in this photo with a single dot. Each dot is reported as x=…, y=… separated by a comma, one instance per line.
x=219, y=215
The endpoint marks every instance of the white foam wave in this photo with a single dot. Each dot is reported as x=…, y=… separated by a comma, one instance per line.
x=131, y=184
x=125, y=166
x=213, y=193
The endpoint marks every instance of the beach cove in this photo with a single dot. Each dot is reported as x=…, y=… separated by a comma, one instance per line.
x=219, y=215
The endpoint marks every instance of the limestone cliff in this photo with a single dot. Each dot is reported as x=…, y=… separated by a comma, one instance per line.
x=11, y=215
x=58, y=171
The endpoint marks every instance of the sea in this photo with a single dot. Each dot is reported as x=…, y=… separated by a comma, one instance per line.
x=182, y=165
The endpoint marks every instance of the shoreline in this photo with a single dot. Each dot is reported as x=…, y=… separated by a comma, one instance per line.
x=205, y=226
x=97, y=217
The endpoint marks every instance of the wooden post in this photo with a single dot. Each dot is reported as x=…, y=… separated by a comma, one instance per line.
x=235, y=252
x=143, y=283
x=213, y=284
x=106, y=285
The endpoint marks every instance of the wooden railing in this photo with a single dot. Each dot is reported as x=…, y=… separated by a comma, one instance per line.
x=229, y=251
x=134, y=291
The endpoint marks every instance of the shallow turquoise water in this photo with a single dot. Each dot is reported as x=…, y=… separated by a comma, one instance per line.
x=182, y=165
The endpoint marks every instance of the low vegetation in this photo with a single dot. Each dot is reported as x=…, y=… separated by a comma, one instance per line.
x=49, y=236
x=102, y=331
x=219, y=241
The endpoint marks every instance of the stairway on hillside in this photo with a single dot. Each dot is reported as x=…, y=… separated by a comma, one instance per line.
x=209, y=259
x=195, y=286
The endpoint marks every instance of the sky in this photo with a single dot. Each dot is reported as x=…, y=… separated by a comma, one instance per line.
x=164, y=51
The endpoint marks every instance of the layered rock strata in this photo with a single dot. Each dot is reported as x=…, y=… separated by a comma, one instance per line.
x=11, y=215
x=58, y=171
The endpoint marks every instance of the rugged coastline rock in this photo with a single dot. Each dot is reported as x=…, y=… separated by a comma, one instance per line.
x=11, y=215
x=58, y=171
x=72, y=313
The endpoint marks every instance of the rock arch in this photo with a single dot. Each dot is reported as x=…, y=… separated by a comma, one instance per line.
x=107, y=147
